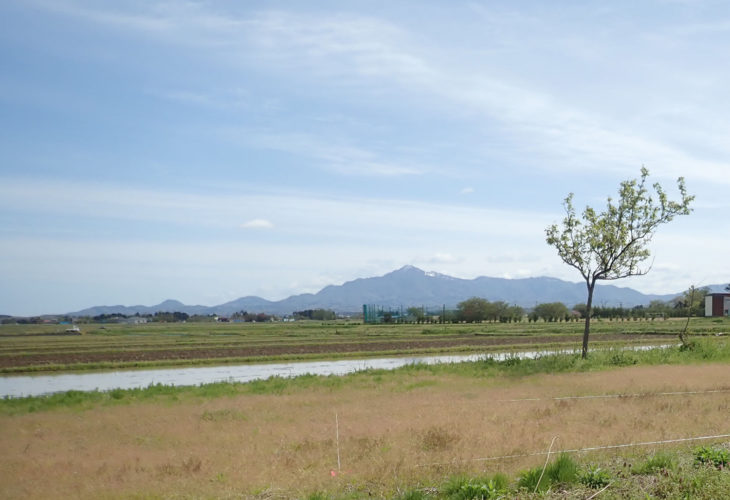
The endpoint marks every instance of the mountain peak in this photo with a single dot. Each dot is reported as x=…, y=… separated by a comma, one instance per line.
x=409, y=286
x=170, y=303
x=408, y=268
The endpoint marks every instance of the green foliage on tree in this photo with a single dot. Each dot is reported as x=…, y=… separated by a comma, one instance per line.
x=170, y=317
x=477, y=309
x=613, y=244
x=316, y=314
x=473, y=310
x=692, y=301
x=552, y=311
x=416, y=314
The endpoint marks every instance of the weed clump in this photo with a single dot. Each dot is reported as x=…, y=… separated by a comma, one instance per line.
x=485, y=488
x=594, y=476
x=562, y=472
x=660, y=461
x=412, y=495
x=438, y=439
x=620, y=358
x=717, y=457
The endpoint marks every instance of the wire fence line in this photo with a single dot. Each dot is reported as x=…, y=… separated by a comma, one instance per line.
x=573, y=450
x=578, y=450
x=618, y=396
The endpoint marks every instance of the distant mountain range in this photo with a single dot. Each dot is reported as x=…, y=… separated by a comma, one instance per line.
x=409, y=286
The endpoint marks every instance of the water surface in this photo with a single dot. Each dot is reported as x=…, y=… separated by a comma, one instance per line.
x=36, y=385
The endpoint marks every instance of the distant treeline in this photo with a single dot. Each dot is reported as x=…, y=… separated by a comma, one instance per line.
x=475, y=309
x=316, y=314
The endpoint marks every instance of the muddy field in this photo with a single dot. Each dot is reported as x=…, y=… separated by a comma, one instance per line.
x=63, y=355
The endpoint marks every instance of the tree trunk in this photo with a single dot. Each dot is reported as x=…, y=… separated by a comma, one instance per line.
x=587, y=330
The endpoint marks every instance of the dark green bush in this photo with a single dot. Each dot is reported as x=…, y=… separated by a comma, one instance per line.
x=718, y=457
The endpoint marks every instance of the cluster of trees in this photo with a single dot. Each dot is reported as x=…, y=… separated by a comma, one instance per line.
x=316, y=314
x=170, y=317
x=33, y=320
x=690, y=303
x=251, y=317
x=108, y=318
x=476, y=309
x=551, y=312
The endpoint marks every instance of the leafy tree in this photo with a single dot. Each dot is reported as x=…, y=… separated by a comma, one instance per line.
x=513, y=314
x=498, y=311
x=692, y=300
x=658, y=306
x=613, y=244
x=473, y=309
x=580, y=309
x=416, y=313
x=551, y=311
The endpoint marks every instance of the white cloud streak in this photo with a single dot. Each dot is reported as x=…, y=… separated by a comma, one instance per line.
x=299, y=213
x=257, y=224
x=370, y=54
x=331, y=155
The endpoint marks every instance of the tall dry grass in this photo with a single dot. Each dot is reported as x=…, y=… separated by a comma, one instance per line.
x=403, y=431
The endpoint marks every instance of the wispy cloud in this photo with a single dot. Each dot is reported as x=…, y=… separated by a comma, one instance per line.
x=257, y=224
x=334, y=155
x=296, y=213
x=376, y=55
x=442, y=258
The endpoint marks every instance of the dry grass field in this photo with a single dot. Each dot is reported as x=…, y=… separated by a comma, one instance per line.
x=391, y=429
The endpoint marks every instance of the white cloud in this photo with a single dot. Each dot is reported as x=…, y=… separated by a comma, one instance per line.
x=456, y=91
x=296, y=213
x=372, y=54
x=257, y=224
x=576, y=139
x=442, y=258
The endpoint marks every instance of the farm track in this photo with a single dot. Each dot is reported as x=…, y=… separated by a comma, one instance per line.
x=127, y=354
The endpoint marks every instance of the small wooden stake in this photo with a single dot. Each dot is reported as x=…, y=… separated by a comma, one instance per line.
x=337, y=440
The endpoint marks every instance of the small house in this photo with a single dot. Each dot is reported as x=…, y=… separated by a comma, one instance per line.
x=717, y=304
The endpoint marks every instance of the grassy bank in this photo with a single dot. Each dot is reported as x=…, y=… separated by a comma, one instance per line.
x=413, y=433
x=700, y=351
x=698, y=472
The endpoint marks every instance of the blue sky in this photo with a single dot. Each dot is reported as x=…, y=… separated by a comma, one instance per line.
x=205, y=151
